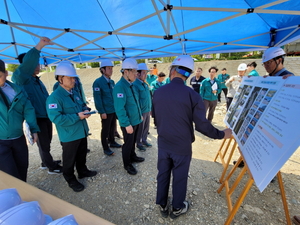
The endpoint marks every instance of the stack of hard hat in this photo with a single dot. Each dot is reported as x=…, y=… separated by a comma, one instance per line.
x=25, y=213
x=9, y=198
x=13, y=211
x=67, y=220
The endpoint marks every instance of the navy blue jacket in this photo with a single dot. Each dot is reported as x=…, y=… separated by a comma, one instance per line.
x=175, y=108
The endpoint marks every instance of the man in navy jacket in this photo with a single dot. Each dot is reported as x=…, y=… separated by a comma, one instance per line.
x=175, y=108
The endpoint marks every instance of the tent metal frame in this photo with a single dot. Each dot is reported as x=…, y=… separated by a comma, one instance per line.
x=177, y=38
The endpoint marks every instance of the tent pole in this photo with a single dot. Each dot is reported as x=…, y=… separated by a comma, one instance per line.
x=271, y=4
x=210, y=24
x=201, y=50
x=11, y=30
x=6, y=47
x=121, y=28
x=61, y=34
x=167, y=30
x=294, y=31
x=96, y=45
x=35, y=35
x=7, y=56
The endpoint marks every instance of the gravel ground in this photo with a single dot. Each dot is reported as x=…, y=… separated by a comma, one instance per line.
x=124, y=199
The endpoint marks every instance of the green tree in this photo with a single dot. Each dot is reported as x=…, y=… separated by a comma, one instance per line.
x=94, y=64
x=140, y=60
x=168, y=59
x=79, y=65
x=12, y=67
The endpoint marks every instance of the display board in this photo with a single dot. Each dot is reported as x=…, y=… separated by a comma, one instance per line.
x=264, y=119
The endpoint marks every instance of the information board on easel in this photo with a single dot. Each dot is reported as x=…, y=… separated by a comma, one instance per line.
x=265, y=124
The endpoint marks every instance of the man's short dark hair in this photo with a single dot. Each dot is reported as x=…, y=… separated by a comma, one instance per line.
x=213, y=68
x=104, y=67
x=20, y=57
x=224, y=69
x=254, y=64
x=278, y=57
x=2, y=66
x=161, y=74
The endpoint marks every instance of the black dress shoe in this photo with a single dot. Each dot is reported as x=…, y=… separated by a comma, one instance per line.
x=76, y=186
x=115, y=145
x=57, y=162
x=130, y=169
x=89, y=173
x=88, y=150
x=138, y=159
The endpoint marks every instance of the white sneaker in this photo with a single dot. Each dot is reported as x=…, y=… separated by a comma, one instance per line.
x=176, y=213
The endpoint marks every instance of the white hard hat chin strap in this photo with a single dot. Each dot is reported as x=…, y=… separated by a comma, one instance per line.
x=271, y=74
x=126, y=74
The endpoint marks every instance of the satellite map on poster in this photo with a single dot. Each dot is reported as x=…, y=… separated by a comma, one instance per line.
x=264, y=118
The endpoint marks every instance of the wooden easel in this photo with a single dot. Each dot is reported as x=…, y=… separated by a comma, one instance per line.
x=227, y=144
x=232, y=209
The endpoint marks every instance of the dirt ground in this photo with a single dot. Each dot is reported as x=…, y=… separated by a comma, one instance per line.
x=124, y=199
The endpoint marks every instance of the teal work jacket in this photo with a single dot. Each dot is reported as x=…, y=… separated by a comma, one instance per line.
x=78, y=88
x=155, y=85
x=34, y=87
x=253, y=73
x=11, y=120
x=206, y=90
x=150, y=78
x=223, y=78
x=103, y=95
x=126, y=103
x=144, y=95
x=63, y=112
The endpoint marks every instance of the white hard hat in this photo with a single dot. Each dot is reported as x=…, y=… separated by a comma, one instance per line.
x=65, y=68
x=29, y=212
x=9, y=198
x=242, y=67
x=272, y=53
x=68, y=220
x=106, y=62
x=142, y=66
x=185, y=61
x=129, y=63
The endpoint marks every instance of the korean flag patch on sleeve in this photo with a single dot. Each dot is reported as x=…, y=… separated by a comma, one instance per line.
x=53, y=106
x=97, y=89
x=120, y=95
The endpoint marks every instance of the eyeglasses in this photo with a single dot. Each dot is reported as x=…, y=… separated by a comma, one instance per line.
x=268, y=63
x=134, y=71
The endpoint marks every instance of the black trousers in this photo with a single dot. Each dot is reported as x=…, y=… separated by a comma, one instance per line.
x=108, y=130
x=14, y=157
x=225, y=90
x=74, y=154
x=44, y=142
x=128, y=148
x=228, y=102
x=178, y=166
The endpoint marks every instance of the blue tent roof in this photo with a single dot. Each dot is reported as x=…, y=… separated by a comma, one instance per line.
x=86, y=31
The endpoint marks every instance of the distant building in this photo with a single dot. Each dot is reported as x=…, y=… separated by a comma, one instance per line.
x=293, y=49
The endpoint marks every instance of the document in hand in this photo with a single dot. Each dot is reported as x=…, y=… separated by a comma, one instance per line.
x=27, y=133
x=214, y=87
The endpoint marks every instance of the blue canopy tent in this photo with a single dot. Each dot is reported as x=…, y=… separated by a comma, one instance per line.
x=89, y=31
